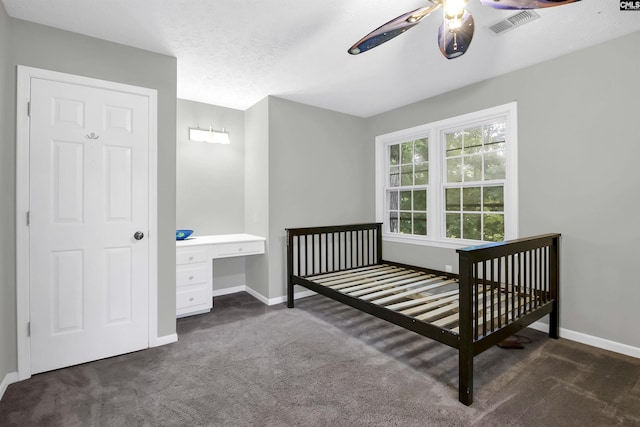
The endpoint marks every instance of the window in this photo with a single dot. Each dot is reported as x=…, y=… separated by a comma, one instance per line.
x=452, y=182
x=407, y=193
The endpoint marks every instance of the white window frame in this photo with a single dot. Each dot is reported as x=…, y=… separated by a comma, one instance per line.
x=435, y=197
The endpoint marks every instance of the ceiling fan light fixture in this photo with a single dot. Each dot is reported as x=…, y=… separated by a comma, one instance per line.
x=454, y=9
x=453, y=12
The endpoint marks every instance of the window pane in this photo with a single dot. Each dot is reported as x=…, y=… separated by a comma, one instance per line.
x=472, y=224
x=405, y=200
x=454, y=144
x=471, y=199
x=421, y=150
x=472, y=141
x=494, y=132
x=393, y=200
x=393, y=222
x=454, y=166
x=453, y=199
x=407, y=152
x=420, y=224
x=493, y=227
x=421, y=174
x=493, y=199
x=394, y=154
x=420, y=200
x=406, y=175
x=405, y=222
x=453, y=226
x=494, y=165
x=473, y=168
x=394, y=176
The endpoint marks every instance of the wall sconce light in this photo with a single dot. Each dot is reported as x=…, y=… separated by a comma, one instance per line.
x=210, y=136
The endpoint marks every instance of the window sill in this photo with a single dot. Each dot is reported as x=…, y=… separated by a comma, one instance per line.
x=422, y=241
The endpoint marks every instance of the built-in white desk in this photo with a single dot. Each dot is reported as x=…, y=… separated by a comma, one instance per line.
x=194, y=270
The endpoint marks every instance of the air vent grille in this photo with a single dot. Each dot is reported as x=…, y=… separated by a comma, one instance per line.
x=516, y=20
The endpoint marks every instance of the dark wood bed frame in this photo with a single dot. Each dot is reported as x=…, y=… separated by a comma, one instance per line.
x=501, y=288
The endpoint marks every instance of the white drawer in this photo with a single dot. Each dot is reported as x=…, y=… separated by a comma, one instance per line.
x=239, y=249
x=192, y=275
x=192, y=296
x=191, y=255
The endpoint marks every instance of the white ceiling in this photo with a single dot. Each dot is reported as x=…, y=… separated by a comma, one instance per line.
x=234, y=53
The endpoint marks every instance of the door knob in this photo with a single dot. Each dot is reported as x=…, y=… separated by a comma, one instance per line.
x=138, y=235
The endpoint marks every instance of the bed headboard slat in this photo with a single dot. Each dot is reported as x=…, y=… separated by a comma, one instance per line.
x=317, y=250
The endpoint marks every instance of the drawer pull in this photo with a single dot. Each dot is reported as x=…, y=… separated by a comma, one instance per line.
x=190, y=277
x=190, y=299
x=239, y=249
x=190, y=258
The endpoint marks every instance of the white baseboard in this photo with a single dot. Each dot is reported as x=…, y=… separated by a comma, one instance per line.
x=10, y=378
x=297, y=295
x=598, y=342
x=227, y=291
x=257, y=295
x=164, y=340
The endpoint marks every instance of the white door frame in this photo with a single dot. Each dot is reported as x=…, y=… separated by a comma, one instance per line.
x=22, y=201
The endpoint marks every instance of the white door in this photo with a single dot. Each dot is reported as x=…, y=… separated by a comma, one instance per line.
x=88, y=199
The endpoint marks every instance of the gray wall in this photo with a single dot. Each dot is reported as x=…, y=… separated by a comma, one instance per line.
x=209, y=177
x=320, y=173
x=210, y=181
x=8, y=360
x=578, y=175
x=44, y=47
x=257, y=191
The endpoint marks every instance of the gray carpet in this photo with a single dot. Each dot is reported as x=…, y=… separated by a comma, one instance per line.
x=325, y=364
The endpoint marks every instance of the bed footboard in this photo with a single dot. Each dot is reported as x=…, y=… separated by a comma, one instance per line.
x=504, y=287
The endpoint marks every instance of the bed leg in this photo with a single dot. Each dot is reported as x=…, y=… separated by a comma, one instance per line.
x=289, y=294
x=554, y=321
x=554, y=288
x=465, y=376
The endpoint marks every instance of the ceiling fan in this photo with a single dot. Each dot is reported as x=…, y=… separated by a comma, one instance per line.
x=455, y=32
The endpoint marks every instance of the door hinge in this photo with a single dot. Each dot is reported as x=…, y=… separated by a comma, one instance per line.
x=29, y=108
x=28, y=329
x=28, y=218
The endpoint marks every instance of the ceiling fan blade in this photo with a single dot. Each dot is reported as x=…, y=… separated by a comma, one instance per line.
x=455, y=42
x=391, y=29
x=525, y=4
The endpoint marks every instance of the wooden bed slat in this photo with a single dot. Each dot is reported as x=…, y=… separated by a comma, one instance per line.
x=381, y=301
x=441, y=323
x=437, y=313
x=400, y=305
x=319, y=278
x=433, y=304
x=357, y=275
x=391, y=289
x=366, y=281
x=386, y=278
x=382, y=284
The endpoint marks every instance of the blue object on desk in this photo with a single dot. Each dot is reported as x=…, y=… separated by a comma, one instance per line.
x=183, y=234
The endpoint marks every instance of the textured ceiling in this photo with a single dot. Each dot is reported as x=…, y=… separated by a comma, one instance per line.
x=234, y=53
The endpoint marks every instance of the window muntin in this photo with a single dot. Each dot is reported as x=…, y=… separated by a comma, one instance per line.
x=461, y=188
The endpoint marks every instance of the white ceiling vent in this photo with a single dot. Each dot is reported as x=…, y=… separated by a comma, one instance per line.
x=516, y=20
